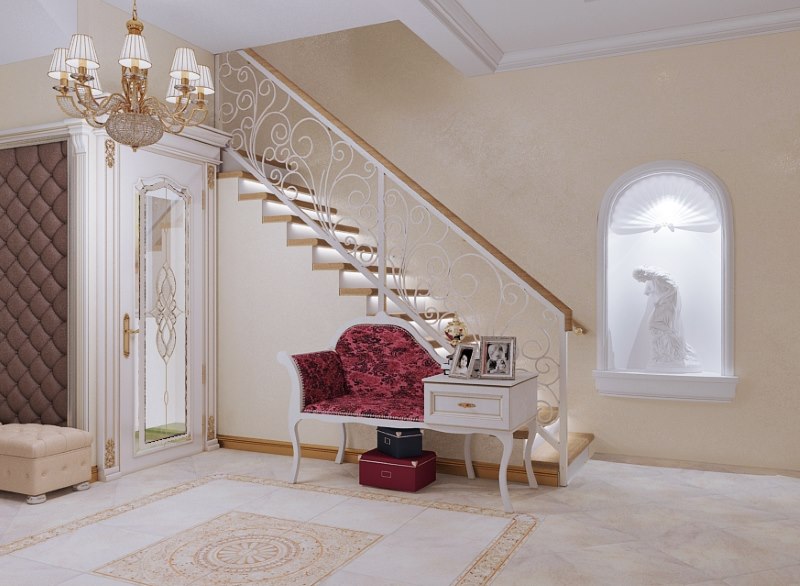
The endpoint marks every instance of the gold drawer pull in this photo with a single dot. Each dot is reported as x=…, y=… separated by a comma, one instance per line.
x=467, y=405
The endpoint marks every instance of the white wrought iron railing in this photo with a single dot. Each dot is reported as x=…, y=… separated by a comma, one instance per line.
x=418, y=256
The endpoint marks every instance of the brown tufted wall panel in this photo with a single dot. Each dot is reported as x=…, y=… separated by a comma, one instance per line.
x=33, y=284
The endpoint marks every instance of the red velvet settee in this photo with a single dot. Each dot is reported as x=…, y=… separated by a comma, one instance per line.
x=373, y=374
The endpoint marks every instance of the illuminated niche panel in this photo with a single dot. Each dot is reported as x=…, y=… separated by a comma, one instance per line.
x=664, y=285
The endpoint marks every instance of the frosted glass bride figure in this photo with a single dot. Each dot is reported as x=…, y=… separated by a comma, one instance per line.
x=669, y=351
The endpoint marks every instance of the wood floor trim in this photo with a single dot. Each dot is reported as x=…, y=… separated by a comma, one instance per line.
x=546, y=472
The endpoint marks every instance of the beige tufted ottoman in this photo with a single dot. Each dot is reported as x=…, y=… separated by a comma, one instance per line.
x=35, y=459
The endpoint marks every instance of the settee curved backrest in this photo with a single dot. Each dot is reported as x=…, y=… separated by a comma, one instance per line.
x=384, y=357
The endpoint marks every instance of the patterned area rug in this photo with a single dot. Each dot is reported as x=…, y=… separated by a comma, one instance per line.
x=249, y=549
x=243, y=548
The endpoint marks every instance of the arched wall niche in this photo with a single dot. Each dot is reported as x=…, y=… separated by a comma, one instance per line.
x=665, y=285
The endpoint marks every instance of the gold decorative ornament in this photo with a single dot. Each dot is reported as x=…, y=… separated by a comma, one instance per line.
x=110, y=459
x=110, y=153
x=211, y=176
x=455, y=331
x=211, y=432
x=132, y=117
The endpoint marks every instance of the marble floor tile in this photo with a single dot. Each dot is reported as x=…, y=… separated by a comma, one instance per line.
x=88, y=547
x=16, y=571
x=344, y=578
x=563, y=533
x=719, y=552
x=165, y=518
x=294, y=505
x=429, y=562
x=434, y=524
x=366, y=515
x=626, y=564
x=620, y=524
x=779, y=536
x=788, y=576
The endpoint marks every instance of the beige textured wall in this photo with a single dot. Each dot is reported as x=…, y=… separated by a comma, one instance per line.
x=27, y=97
x=526, y=157
x=269, y=300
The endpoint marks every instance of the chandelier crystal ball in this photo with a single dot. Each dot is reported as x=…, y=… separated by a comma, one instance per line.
x=132, y=117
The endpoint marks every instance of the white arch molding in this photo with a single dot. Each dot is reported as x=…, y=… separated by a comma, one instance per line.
x=675, y=216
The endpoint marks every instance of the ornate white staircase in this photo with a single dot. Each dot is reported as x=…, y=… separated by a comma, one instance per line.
x=390, y=240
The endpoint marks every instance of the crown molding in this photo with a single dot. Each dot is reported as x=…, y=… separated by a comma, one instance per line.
x=707, y=32
x=468, y=32
x=480, y=46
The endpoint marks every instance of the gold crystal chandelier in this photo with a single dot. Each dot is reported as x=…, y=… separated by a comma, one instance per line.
x=131, y=117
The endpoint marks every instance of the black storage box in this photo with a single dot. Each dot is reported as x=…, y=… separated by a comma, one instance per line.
x=400, y=443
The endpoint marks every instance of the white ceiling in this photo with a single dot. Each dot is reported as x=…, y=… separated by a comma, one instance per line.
x=476, y=36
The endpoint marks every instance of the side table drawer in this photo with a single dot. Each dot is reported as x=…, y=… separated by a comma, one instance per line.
x=451, y=405
x=445, y=403
x=480, y=403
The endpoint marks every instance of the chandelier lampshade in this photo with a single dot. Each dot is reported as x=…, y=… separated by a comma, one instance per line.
x=204, y=85
x=81, y=52
x=134, y=53
x=58, y=65
x=130, y=117
x=184, y=65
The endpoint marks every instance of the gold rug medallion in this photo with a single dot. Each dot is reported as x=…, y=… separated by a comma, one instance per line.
x=243, y=548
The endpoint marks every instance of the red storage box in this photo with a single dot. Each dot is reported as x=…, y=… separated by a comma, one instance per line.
x=409, y=474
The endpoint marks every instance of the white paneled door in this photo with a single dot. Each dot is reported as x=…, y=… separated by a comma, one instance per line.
x=158, y=405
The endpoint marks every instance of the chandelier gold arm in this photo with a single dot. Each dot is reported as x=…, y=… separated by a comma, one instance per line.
x=175, y=121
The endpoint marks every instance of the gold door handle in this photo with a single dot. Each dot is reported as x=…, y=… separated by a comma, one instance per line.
x=126, y=335
x=467, y=405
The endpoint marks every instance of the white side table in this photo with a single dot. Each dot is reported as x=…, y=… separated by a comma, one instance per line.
x=495, y=407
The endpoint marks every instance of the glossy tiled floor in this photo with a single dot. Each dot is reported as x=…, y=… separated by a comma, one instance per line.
x=615, y=524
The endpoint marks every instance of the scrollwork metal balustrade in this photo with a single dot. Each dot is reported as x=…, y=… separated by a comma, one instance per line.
x=420, y=262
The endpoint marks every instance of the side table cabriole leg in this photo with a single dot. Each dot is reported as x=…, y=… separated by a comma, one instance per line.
x=468, y=456
x=527, y=455
x=507, y=438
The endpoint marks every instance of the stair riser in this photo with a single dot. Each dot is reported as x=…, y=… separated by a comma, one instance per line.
x=321, y=254
x=357, y=279
x=305, y=231
x=392, y=307
x=272, y=208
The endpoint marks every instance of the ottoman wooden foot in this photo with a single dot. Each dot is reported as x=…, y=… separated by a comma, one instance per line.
x=81, y=486
x=37, y=499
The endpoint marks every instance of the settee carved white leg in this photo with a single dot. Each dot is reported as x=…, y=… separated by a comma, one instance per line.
x=81, y=486
x=468, y=456
x=342, y=442
x=36, y=499
x=295, y=450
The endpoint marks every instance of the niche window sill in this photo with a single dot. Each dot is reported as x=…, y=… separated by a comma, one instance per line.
x=711, y=387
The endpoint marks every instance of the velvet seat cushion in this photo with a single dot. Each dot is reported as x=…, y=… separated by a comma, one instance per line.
x=383, y=367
